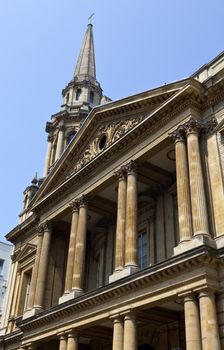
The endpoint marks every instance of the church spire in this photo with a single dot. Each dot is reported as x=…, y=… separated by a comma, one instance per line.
x=86, y=61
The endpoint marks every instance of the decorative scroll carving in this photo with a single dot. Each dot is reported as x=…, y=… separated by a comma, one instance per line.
x=74, y=205
x=178, y=134
x=83, y=201
x=113, y=131
x=131, y=167
x=44, y=226
x=50, y=138
x=120, y=173
x=193, y=125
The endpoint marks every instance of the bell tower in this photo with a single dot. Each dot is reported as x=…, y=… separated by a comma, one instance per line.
x=80, y=95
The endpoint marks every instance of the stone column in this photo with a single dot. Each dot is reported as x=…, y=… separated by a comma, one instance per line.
x=183, y=190
x=63, y=342
x=43, y=265
x=72, y=343
x=80, y=247
x=118, y=333
x=216, y=182
x=48, y=155
x=130, y=332
x=192, y=323
x=33, y=285
x=121, y=213
x=60, y=142
x=71, y=250
x=131, y=217
x=198, y=199
x=209, y=323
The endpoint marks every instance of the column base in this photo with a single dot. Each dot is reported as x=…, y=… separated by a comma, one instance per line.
x=32, y=312
x=127, y=271
x=71, y=295
x=196, y=241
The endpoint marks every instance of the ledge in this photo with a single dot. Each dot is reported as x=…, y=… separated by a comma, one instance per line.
x=201, y=256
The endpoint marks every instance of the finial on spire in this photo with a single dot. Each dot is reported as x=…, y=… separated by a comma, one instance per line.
x=35, y=179
x=90, y=18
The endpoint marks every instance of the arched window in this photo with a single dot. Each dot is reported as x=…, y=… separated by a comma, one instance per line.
x=67, y=97
x=78, y=94
x=91, y=97
x=70, y=136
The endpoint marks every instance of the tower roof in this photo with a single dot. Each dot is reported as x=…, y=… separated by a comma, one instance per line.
x=86, y=61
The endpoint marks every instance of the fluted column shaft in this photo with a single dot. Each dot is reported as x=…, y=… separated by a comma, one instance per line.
x=192, y=323
x=118, y=333
x=209, y=323
x=60, y=142
x=33, y=285
x=79, y=264
x=183, y=191
x=43, y=266
x=120, y=229
x=130, y=332
x=198, y=199
x=71, y=250
x=72, y=342
x=48, y=156
x=131, y=217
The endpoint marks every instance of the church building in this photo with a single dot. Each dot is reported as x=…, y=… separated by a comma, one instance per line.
x=120, y=246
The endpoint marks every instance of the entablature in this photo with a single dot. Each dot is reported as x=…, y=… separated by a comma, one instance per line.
x=164, y=280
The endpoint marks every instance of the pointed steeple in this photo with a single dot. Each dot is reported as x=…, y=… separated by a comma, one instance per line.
x=86, y=61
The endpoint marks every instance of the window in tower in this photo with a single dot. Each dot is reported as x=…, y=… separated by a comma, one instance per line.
x=78, y=94
x=70, y=136
x=1, y=266
x=91, y=97
x=67, y=98
x=142, y=249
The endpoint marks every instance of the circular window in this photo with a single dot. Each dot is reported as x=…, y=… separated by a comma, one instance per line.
x=102, y=142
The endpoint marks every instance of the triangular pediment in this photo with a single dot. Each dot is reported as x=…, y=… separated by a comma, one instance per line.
x=103, y=127
x=25, y=252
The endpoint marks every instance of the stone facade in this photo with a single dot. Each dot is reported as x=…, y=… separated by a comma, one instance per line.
x=121, y=244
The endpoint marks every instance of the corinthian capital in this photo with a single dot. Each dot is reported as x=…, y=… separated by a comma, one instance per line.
x=178, y=134
x=131, y=167
x=192, y=126
x=83, y=201
x=44, y=226
x=50, y=138
x=74, y=205
x=120, y=173
x=61, y=127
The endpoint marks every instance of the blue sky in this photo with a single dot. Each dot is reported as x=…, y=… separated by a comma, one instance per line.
x=138, y=44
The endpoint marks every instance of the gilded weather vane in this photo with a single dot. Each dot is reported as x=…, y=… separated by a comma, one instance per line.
x=90, y=18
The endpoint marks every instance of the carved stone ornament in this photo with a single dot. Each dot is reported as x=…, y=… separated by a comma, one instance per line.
x=131, y=167
x=83, y=201
x=44, y=226
x=113, y=132
x=192, y=126
x=120, y=173
x=61, y=127
x=178, y=134
x=74, y=205
x=50, y=138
